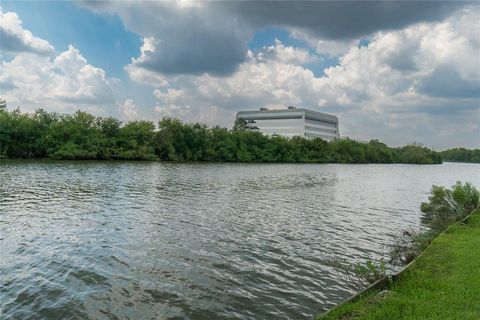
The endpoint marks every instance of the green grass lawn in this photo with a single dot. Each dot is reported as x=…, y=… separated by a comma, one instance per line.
x=443, y=283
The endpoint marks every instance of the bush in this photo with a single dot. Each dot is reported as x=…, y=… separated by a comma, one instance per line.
x=450, y=204
x=409, y=245
x=444, y=207
x=360, y=274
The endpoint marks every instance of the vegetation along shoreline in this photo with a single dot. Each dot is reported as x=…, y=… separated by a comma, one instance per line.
x=83, y=136
x=441, y=268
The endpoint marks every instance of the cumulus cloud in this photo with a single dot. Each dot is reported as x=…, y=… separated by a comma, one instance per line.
x=417, y=75
x=212, y=37
x=176, y=104
x=389, y=89
x=141, y=74
x=37, y=76
x=16, y=39
x=128, y=110
x=404, y=62
x=62, y=83
x=446, y=81
x=285, y=54
x=187, y=38
x=266, y=78
x=323, y=46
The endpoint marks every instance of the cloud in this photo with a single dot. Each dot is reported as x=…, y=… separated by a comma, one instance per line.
x=459, y=128
x=447, y=82
x=389, y=88
x=286, y=54
x=63, y=83
x=185, y=39
x=323, y=46
x=266, y=78
x=176, y=104
x=211, y=37
x=36, y=76
x=417, y=76
x=334, y=20
x=16, y=39
x=397, y=62
x=144, y=75
x=128, y=110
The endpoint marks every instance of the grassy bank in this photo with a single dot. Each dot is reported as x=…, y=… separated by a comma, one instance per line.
x=443, y=283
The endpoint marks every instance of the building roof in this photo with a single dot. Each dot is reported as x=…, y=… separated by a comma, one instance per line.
x=309, y=114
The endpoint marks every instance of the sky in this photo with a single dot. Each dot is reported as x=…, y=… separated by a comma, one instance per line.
x=399, y=72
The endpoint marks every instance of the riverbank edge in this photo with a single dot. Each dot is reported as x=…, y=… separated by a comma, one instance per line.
x=212, y=161
x=388, y=281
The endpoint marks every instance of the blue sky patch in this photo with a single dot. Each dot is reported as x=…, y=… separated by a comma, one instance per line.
x=101, y=39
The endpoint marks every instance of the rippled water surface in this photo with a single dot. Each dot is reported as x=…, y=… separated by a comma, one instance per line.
x=122, y=240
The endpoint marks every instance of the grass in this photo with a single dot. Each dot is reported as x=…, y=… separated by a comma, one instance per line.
x=443, y=283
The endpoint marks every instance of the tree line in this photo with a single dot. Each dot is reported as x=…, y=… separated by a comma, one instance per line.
x=82, y=135
x=461, y=155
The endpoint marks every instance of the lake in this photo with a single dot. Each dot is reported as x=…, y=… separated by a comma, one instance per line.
x=152, y=240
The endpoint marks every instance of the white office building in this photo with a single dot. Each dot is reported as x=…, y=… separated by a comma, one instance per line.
x=292, y=122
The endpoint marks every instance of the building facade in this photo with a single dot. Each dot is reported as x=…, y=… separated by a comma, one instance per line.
x=292, y=122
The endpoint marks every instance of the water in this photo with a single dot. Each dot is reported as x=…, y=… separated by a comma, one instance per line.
x=148, y=240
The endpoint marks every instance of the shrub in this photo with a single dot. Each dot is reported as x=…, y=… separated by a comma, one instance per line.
x=444, y=207
x=409, y=245
x=359, y=274
x=449, y=205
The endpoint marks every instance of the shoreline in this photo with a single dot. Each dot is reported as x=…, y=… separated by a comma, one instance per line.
x=386, y=298
x=213, y=161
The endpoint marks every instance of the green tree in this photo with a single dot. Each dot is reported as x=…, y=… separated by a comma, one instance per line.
x=240, y=125
x=85, y=136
